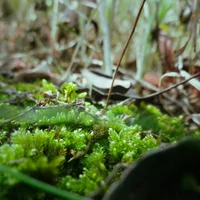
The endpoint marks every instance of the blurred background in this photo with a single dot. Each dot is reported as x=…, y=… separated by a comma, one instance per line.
x=62, y=37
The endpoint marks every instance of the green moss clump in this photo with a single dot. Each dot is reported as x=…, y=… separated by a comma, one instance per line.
x=75, y=146
x=39, y=143
x=169, y=128
x=127, y=145
x=46, y=86
x=121, y=111
x=77, y=139
x=9, y=153
x=94, y=172
x=197, y=133
x=119, y=115
x=70, y=94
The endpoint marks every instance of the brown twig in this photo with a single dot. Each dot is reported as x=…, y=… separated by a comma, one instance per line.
x=123, y=52
x=162, y=91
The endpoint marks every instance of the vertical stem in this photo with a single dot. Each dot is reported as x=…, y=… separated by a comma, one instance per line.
x=124, y=50
x=54, y=20
x=106, y=37
x=112, y=18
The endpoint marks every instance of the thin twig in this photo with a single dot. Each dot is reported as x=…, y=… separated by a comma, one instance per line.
x=162, y=91
x=123, y=52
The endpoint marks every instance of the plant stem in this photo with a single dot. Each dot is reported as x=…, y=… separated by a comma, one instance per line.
x=123, y=52
x=106, y=37
x=40, y=185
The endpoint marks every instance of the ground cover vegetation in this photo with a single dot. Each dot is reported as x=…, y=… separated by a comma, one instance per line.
x=68, y=129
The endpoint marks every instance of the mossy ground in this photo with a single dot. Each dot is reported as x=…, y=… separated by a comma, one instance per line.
x=49, y=135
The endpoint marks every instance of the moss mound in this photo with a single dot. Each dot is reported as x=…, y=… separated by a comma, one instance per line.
x=56, y=137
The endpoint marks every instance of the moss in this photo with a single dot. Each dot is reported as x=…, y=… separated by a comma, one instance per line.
x=70, y=94
x=42, y=168
x=94, y=172
x=169, y=128
x=72, y=145
x=10, y=153
x=3, y=136
x=121, y=110
x=47, y=86
x=197, y=133
x=9, y=111
x=127, y=145
x=77, y=139
x=39, y=142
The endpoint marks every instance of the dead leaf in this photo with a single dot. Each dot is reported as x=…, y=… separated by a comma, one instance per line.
x=152, y=78
x=194, y=82
x=103, y=82
x=39, y=72
x=196, y=118
x=168, y=74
